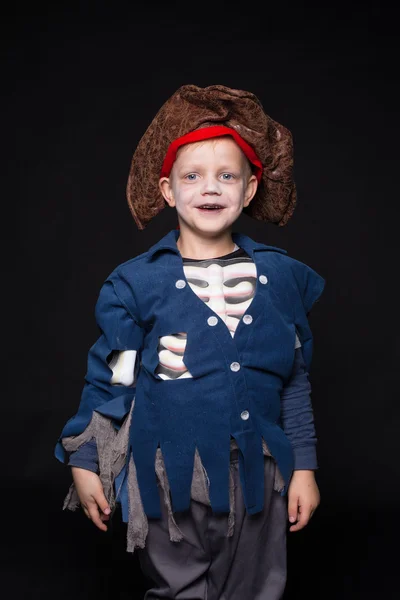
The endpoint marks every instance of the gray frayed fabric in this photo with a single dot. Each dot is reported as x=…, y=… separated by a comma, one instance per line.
x=112, y=448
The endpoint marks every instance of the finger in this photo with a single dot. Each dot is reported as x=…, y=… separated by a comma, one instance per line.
x=304, y=517
x=94, y=513
x=85, y=510
x=102, y=503
x=293, y=508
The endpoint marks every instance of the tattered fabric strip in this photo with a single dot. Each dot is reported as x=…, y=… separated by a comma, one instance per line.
x=112, y=448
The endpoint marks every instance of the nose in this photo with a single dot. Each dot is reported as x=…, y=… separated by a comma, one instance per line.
x=211, y=187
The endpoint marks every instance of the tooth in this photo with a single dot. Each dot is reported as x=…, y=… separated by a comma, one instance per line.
x=210, y=206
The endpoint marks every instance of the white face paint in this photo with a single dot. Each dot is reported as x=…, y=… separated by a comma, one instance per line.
x=213, y=173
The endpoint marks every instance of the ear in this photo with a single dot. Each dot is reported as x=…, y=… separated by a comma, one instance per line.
x=164, y=185
x=250, y=190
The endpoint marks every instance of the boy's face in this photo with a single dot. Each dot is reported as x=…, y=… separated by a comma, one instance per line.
x=213, y=173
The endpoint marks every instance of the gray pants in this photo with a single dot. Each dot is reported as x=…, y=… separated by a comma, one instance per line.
x=208, y=565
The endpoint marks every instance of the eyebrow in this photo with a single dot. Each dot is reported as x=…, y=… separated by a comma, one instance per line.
x=198, y=167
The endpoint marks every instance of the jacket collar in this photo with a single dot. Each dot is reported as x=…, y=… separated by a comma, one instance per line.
x=168, y=242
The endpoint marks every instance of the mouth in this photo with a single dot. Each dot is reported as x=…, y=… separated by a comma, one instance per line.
x=210, y=207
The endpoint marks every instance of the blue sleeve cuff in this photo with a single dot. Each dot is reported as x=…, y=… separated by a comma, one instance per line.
x=85, y=457
x=305, y=458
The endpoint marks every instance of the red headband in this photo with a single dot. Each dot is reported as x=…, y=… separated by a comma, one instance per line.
x=204, y=134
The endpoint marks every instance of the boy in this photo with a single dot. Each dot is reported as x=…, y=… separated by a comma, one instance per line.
x=196, y=410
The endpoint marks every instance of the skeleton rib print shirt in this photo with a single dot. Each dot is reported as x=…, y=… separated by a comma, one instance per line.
x=227, y=285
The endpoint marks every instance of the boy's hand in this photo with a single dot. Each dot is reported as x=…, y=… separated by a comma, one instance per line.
x=90, y=491
x=303, y=498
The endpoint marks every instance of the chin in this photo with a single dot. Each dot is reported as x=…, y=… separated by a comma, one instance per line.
x=207, y=226
x=210, y=228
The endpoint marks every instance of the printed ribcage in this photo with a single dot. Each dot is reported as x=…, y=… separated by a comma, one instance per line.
x=226, y=290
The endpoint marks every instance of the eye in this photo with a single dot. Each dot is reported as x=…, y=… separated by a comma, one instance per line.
x=191, y=176
x=227, y=176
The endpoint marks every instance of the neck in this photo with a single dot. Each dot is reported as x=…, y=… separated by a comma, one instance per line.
x=192, y=246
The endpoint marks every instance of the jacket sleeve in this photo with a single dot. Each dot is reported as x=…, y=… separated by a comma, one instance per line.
x=297, y=415
x=119, y=331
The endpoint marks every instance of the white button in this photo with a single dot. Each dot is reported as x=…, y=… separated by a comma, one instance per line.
x=235, y=366
x=180, y=284
x=245, y=415
x=212, y=321
x=247, y=319
x=263, y=279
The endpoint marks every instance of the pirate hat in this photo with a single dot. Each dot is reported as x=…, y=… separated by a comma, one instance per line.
x=194, y=113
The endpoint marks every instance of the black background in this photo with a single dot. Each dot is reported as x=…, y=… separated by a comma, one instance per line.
x=82, y=81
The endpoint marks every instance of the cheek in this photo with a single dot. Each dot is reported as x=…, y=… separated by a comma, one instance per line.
x=237, y=196
x=185, y=196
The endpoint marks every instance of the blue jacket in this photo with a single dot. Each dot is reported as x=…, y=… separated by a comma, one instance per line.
x=237, y=382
